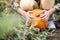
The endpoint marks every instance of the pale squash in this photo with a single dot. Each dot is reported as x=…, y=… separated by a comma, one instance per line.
x=28, y=4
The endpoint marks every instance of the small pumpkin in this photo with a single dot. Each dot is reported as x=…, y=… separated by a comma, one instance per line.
x=40, y=24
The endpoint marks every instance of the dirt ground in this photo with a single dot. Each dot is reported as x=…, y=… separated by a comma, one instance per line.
x=55, y=35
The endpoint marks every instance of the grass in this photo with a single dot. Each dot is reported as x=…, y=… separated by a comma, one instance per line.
x=9, y=22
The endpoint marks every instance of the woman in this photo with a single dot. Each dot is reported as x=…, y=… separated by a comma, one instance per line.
x=47, y=13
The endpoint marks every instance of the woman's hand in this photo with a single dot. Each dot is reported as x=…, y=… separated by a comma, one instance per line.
x=28, y=17
x=45, y=16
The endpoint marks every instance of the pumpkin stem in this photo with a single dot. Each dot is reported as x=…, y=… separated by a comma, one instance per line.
x=37, y=14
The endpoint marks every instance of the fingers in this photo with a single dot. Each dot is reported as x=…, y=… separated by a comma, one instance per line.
x=28, y=14
x=45, y=18
x=32, y=17
x=44, y=11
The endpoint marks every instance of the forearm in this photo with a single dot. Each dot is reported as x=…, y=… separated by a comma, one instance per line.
x=16, y=7
x=56, y=8
x=22, y=12
x=52, y=11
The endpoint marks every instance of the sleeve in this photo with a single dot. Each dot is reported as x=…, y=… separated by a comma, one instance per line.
x=14, y=5
x=57, y=7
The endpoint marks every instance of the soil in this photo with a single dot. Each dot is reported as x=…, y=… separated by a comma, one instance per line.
x=55, y=35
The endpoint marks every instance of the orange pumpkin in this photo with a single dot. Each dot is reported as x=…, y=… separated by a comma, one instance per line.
x=40, y=24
